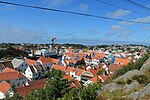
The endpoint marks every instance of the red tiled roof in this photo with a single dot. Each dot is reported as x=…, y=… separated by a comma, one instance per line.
x=33, y=85
x=105, y=77
x=30, y=62
x=95, y=79
x=55, y=60
x=114, y=67
x=45, y=60
x=79, y=72
x=11, y=74
x=122, y=61
x=68, y=77
x=69, y=69
x=59, y=67
x=9, y=70
x=94, y=71
x=4, y=87
x=75, y=84
x=74, y=70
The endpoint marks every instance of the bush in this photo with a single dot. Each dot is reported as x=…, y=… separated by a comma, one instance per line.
x=129, y=81
x=141, y=79
x=130, y=66
x=120, y=82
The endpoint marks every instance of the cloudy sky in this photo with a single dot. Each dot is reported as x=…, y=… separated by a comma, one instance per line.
x=26, y=25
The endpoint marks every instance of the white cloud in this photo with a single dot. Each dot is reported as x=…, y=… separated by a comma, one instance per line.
x=113, y=30
x=144, y=19
x=84, y=7
x=56, y=3
x=14, y=34
x=116, y=28
x=118, y=13
x=126, y=33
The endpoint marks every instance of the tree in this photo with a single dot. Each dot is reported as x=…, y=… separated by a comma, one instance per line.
x=100, y=72
x=89, y=92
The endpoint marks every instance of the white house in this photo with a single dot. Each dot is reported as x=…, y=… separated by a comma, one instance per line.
x=34, y=72
x=13, y=77
x=46, y=62
x=19, y=64
x=5, y=89
x=76, y=73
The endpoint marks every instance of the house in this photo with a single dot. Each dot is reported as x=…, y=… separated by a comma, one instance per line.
x=67, y=71
x=78, y=74
x=90, y=73
x=46, y=62
x=113, y=67
x=5, y=89
x=19, y=65
x=30, y=62
x=74, y=84
x=32, y=85
x=122, y=61
x=95, y=79
x=59, y=67
x=14, y=77
x=34, y=72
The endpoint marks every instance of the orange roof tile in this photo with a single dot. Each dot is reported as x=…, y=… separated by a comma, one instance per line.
x=30, y=62
x=69, y=69
x=74, y=70
x=11, y=74
x=55, y=60
x=59, y=67
x=122, y=61
x=45, y=60
x=114, y=67
x=68, y=77
x=95, y=79
x=79, y=72
x=4, y=87
x=76, y=84
x=33, y=85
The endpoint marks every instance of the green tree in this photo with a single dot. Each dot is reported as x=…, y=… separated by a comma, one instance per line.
x=89, y=92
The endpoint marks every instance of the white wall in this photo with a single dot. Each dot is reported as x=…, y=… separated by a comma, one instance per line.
x=2, y=96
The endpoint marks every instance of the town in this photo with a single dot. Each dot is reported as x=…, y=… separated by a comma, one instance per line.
x=80, y=65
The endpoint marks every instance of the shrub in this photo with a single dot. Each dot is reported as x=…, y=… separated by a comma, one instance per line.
x=129, y=81
x=141, y=78
x=120, y=82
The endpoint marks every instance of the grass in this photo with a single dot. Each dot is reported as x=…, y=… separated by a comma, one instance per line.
x=112, y=96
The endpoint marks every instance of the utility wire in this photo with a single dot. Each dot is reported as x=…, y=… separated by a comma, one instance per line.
x=137, y=4
x=121, y=7
x=146, y=39
x=71, y=12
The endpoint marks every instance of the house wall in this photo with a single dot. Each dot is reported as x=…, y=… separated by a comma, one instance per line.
x=2, y=96
x=28, y=73
x=22, y=67
x=18, y=81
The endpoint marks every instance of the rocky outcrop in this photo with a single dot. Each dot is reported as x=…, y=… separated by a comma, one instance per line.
x=128, y=75
x=131, y=87
x=146, y=67
x=111, y=87
x=140, y=94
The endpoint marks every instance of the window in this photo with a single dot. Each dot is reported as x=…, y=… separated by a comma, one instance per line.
x=18, y=84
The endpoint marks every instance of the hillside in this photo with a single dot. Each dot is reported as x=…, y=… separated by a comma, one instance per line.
x=133, y=85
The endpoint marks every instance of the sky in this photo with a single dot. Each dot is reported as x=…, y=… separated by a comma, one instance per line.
x=28, y=25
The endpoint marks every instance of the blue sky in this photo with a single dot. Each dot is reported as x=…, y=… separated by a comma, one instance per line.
x=26, y=25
